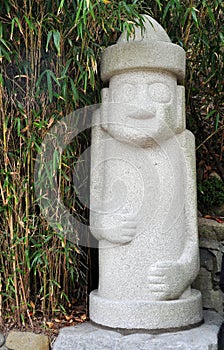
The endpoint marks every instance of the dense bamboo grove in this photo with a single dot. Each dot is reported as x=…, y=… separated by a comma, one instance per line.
x=49, y=59
x=48, y=53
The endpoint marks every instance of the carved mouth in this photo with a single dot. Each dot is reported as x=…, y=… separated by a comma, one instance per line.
x=142, y=116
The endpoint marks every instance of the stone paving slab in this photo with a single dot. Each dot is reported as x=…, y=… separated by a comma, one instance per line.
x=90, y=337
x=26, y=341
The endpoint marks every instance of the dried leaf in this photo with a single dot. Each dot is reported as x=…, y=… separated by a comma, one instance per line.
x=32, y=304
x=57, y=320
x=50, y=324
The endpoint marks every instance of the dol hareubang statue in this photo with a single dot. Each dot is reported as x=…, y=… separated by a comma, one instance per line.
x=143, y=194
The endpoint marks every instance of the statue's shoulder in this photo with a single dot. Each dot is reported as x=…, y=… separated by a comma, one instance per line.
x=186, y=138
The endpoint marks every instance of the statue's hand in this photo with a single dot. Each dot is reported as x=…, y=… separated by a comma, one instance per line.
x=125, y=233
x=121, y=234
x=167, y=280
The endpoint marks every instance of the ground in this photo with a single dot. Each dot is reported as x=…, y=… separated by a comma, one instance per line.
x=49, y=327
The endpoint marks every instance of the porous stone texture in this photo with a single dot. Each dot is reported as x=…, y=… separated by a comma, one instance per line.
x=211, y=242
x=211, y=230
x=26, y=341
x=162, y=314
x=91, y=337
x=2, y=339
x=143, y=189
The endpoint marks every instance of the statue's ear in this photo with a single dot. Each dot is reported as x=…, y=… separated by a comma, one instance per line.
x=181, y=122
x=104, y=105
x=105, y=94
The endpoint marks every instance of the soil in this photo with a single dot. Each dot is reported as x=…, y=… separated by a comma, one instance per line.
x=50, y=327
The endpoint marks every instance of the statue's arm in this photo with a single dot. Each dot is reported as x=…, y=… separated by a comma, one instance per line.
x=101, y=220
x=102, y=223
x=190, y=256
x=169, y=279
x=96, y=176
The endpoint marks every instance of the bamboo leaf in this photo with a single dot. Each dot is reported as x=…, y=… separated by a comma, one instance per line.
x=74, y=90
x=60, y=6
x=15, y=20
x=1, y=80
x=210, y=114
x=194, y=15
x=211, y=15
x=5, y=43
x=49, y=86
x=57, y=37
x=217, y=119
x=49, y=35
x=30, y=24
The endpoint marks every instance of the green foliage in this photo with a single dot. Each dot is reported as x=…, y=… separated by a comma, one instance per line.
x=210, y=194
x=49, y=59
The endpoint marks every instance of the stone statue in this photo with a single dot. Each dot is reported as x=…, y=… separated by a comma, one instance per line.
x=143, y=188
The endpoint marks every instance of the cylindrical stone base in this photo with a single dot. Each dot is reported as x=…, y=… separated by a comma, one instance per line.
x=147, y=315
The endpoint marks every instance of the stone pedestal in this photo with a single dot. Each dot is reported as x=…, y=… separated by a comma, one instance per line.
x=147, y=315
x=90, y=337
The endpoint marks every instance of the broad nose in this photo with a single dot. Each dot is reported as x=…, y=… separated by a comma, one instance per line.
x=141, y=107
x=144, y=106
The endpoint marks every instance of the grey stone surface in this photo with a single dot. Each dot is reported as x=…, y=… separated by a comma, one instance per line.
x=143, y=189
x=211, y=234
x=2, y=339
x=211, y=230
x=144, y=314
x=89, y=337
x=26, y=341
x=211, y=298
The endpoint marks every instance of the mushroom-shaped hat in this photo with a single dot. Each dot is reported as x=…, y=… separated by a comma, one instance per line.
x=147, y=49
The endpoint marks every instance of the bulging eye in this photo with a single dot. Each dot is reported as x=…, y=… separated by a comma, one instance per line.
x=128, y=92
x=124, y=93
x=159, y=92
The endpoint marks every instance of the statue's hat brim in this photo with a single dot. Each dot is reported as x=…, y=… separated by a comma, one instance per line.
x=148, y=49
x=143, y=55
